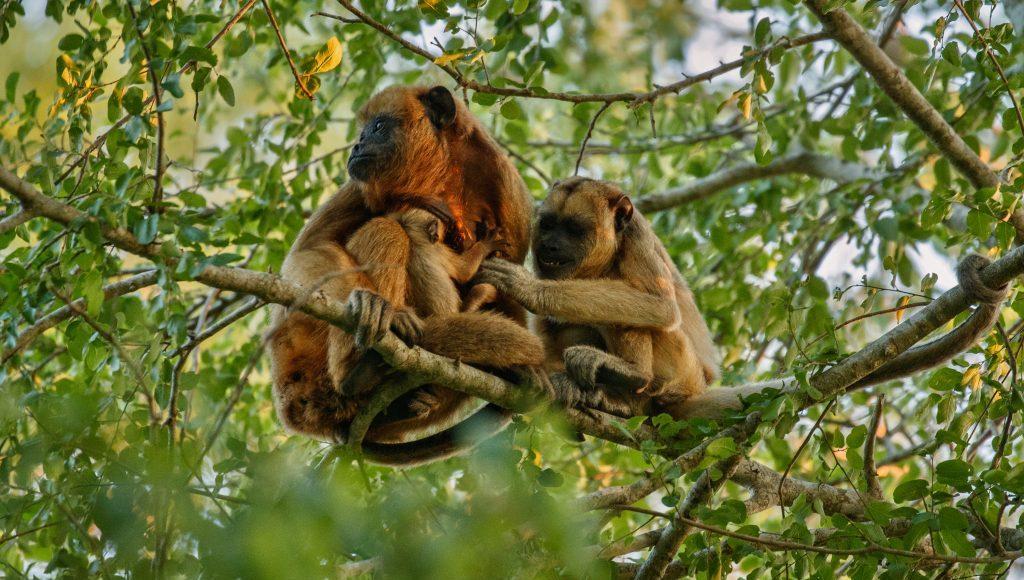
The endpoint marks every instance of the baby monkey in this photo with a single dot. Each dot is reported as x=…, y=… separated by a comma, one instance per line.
x=435, y=271
x=612, y=308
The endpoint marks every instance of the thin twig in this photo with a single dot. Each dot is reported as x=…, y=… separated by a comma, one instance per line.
x=870, y=476
x=1008, y=422
x=872, y=549
x=803, y=444
x=635, y=99
x=287, y=53
x=133, y=365
x=158, y=173
x=183, y=70
x=590, y=131
x=995, y=63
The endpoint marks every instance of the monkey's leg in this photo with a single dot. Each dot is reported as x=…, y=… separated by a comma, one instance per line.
x=484, y=339
x=383, y=248
x=479, y=296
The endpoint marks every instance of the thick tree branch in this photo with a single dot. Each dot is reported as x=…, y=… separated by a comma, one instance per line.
x=897, y=86
x=812, y=164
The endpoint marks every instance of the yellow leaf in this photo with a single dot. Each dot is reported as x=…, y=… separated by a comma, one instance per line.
x=745, y=105
x=972, y=377
x=446, y=59
x=902, y=308
x=327, y=58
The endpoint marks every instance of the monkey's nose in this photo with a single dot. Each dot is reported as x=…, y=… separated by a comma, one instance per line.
x=357, y=148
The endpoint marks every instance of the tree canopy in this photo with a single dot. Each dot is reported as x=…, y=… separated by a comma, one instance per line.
x=816, y=170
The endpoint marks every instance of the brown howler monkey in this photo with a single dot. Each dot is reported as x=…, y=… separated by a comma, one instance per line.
x=612, y=307
x=415, y=143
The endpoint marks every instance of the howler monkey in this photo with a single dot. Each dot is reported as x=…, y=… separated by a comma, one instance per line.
x=415, y=143
x=613, y=310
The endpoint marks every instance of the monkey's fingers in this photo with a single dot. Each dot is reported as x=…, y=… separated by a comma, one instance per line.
x=408, y=326
x=373, y=316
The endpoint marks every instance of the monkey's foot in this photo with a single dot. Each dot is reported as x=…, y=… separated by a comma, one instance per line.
x=373, y=315
x=424, y=402
x=570, y=394
x=368, y=372
x=590, y=367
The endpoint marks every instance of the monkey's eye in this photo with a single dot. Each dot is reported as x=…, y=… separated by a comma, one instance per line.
x=378, y=127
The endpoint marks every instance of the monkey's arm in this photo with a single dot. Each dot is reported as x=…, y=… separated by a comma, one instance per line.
x=592, y=301
x=462, y=267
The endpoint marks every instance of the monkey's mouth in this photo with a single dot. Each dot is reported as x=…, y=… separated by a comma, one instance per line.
x=362, y=165
x=552, y=267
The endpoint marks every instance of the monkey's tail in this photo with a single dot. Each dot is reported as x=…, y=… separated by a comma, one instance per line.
x=456, y=440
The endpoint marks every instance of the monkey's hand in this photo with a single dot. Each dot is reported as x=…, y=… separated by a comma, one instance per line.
x=512, y=280
x=408, y=326
x=373, y=315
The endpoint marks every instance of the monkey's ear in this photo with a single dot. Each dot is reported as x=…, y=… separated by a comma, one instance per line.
x=623, y=209
x=434, y=231
x=440, y=106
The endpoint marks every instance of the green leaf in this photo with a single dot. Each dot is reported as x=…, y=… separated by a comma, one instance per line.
x=980, y=224
x=92, y=291
x=910, y=490
x=945, y=379
x=12, y=86
x=550, y=478
x=146, y=229
x=520, y=6
x=721, y=448
x=172, y=84
x=226, y=91
x=953, y=472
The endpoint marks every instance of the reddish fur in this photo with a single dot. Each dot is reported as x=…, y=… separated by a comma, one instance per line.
x=460, y=165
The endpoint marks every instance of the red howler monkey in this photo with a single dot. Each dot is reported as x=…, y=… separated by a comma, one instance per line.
x=416, y=142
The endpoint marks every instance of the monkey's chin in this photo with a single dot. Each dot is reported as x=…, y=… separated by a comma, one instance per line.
x=361, y=167
x=551, y=270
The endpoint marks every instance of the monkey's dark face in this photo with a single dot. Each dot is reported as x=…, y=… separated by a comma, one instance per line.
x=401, y=147
x=377, y=148
x=579, y=226
x=560, y=243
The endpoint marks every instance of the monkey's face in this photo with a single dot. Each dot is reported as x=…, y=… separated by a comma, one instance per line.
x=401, y=147
x=579, y=227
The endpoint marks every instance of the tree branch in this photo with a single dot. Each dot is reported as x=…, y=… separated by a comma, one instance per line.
x=673, y=535
x=812, y=164
x=14, y=220
x=870, y=476
x=890, y=78
x=284, y=49
x=63, y=313
x=633, y=98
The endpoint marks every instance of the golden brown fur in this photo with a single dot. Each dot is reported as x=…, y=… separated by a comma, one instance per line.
x=612, y=307
x=351, y=250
